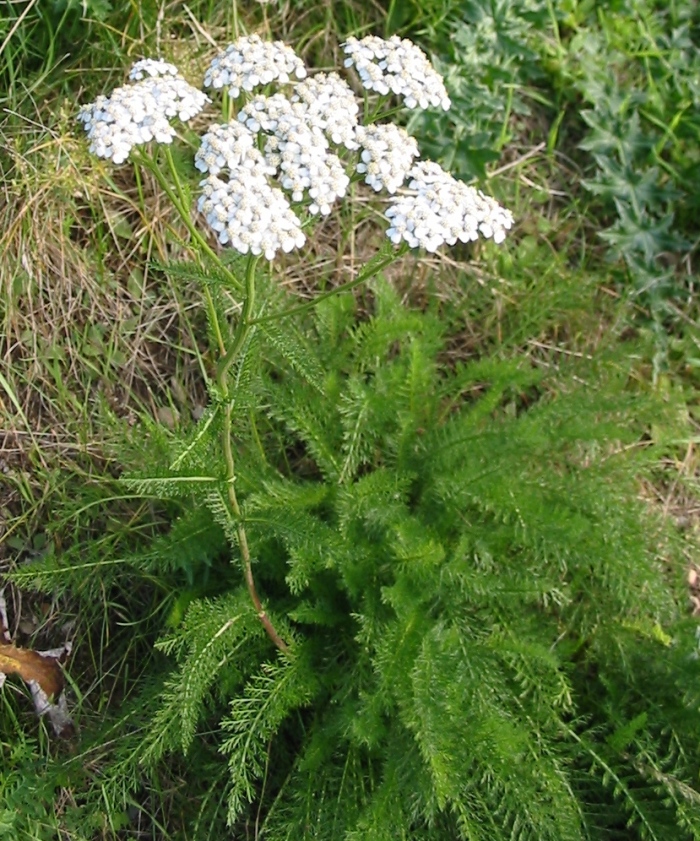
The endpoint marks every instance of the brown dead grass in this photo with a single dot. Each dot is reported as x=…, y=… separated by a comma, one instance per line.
x=85, y=324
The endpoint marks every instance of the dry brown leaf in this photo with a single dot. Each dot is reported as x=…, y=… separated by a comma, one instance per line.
x=41, y=671
x=30, y=665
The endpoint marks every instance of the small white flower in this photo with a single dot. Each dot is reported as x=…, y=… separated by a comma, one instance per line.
x=138, y=113
x=444, y=210
x=397, y=66
x=250, y=215
x=387, y=155
x=251, y=62
x=263, y=113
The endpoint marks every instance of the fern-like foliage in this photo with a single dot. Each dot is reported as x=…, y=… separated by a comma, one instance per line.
x=211, y=644
x=256, y=715
x=484, y=640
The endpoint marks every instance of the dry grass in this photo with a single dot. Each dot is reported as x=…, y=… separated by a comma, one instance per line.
x=85, y=324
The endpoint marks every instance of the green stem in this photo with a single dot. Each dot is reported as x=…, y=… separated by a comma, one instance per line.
x=183, y=210
x=242, y=332
x=179, y=201
x=368, y=272
x=235, y=19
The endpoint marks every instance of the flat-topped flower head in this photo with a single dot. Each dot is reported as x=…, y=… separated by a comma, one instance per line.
x=306, y=166
x=298, y=148
x=324, y=101
x=230, y=147
x=397, y=66
x=387, y=155
x=152, y=67
x=139, y=113
x=444, y=210
x=250, y=215
x=287, y=138
x=330, y=103
x=251, y=62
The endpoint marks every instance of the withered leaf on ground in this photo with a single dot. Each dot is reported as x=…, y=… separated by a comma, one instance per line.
x=41, y=671
x=30, y=665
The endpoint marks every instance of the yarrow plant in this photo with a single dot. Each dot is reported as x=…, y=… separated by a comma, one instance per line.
x=414, y=646
x=285, y=156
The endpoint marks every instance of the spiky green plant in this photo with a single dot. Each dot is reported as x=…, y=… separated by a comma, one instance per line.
x=481, y=638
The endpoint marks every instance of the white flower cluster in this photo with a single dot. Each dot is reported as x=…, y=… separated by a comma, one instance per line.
x=139, y=113
x=330, y=105
x=324, y=102
x=305, y=164
x=397, y=66
x=250, y=62
x=263, y=113
x=152, y=67
x=299, y=149
x=249, y=214
x=443, y=209
x=231, y=147
x=238, y=199
x=244, y=210
x=387, y=155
